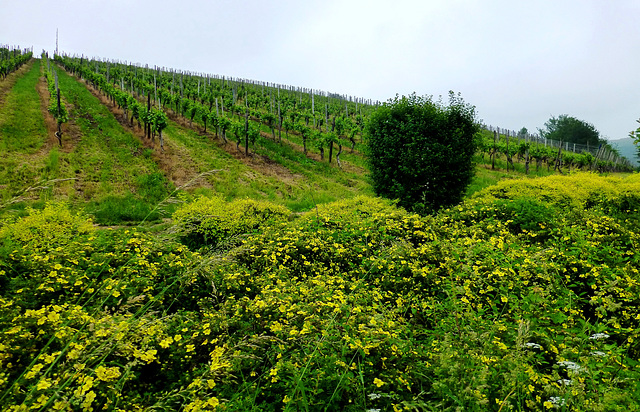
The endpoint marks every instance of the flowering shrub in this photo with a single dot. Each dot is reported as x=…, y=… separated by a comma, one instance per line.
x=209, y=221
x=94, y=318
x=525, y=297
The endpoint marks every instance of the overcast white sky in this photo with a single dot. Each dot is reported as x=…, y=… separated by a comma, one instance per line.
x=518, y=62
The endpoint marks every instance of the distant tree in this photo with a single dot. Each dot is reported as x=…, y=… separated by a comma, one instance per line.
x=420, y=151
x=523, y=133
x=569, y=129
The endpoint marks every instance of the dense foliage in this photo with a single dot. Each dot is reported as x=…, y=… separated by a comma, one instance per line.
x=524, y=297
x=12, y=60
x=208, y=222
x=566, y=128
x=420, y=151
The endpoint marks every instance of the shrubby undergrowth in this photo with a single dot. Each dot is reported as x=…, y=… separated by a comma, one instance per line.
x=525, y=297
x=208, y=222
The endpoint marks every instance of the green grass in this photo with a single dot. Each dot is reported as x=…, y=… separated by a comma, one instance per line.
x=22, y=127
x=104, y=167
x=103, y=164
x=120, y=183
x=22, y=134
x=295, y=180
x=106, y=159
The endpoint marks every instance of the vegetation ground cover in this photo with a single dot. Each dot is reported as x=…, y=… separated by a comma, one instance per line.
x=523, y=297
x=22, y=133
x=274, y=171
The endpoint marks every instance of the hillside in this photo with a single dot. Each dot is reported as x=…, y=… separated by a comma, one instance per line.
x=108, y=164
x=169, y=256
x=133, y=137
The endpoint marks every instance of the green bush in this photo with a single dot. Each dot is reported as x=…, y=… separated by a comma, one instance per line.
x=420, y=152
x=210, y=221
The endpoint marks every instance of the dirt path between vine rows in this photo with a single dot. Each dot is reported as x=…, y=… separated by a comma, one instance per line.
x=71, y=133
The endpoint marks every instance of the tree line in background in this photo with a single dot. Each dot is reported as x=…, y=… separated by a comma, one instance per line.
x=568, y=129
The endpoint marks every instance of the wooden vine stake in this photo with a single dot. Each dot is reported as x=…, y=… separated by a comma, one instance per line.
x=246, y=132
x=279, y=123
x=58, y=118
x=333, y=128
x=508, y=153
x=218, y=117
x=527, y=158
x=495, y=149
x=558, y=159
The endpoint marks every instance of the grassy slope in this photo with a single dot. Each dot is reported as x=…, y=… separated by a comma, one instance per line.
x=22, y=135
x=106, y=159
x=21, y=125
x=360, y=298
x=286, y=176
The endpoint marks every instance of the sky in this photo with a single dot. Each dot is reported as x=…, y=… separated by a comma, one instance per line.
x=519, y=63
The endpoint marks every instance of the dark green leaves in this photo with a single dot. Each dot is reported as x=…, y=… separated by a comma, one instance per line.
x=420, y=151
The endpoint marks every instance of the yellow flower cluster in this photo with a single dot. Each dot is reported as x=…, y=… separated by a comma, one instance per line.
x=516, y=298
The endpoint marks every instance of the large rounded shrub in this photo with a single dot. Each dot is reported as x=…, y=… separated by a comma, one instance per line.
x=420, y=151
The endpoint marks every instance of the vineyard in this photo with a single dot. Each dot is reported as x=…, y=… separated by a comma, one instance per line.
x=12, y=58
x=319, y=120
x=173, y=241
x=561, y=156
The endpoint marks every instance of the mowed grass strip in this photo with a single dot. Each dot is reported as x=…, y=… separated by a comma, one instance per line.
x=273, y=171
x=234, y=177
x=108, y=159
x=22, y=127
x=22, y=135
